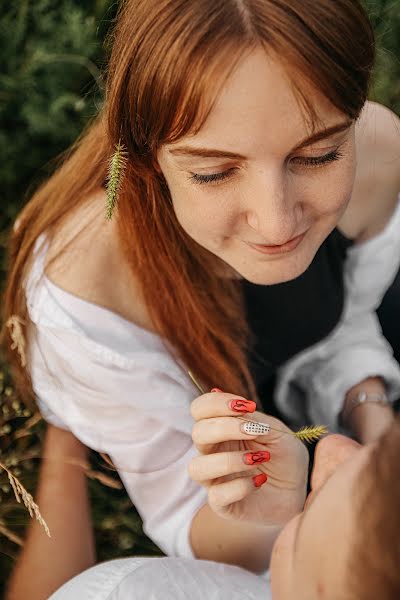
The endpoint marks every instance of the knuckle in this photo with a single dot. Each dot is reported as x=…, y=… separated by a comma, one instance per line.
x=194, y=407
x=226, y=463
x=217, y=427
x=242, y=487
x=214, y=497
x=194, y=471
x=197, y=435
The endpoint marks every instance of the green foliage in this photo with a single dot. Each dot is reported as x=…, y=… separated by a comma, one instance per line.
x=385, y=17
x=50, y=84
x=51, y=59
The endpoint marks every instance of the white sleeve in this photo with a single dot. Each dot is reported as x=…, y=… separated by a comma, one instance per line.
x=313, y=384
x=135, y=409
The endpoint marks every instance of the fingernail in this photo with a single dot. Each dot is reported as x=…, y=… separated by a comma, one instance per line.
x=254, y=428
x=241, y=405
x=259, y=480
x=252, y=458
x=216, y=390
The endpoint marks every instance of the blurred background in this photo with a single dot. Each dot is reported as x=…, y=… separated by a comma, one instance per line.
x=52, y=54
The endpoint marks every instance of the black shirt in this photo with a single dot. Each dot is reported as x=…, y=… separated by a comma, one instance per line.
x=288, y=317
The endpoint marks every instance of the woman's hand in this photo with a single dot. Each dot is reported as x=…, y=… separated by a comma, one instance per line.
x=233, y=464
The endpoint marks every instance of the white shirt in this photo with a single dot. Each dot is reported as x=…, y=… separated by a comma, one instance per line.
x=164, y=579
x=118, y=389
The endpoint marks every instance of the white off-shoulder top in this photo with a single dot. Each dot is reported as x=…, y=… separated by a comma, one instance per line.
x=119, y=390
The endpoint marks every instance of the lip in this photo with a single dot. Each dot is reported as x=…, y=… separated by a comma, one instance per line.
x=282, y=249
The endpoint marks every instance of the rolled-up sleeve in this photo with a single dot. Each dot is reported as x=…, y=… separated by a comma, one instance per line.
x=312, y=385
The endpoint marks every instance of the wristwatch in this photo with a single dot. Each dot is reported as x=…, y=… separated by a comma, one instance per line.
x=363, y=398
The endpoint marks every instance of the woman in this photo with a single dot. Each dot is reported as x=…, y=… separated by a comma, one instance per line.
x=343, y=546
x=255, y=233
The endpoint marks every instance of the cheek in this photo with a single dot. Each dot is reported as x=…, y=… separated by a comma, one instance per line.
x=339, y=187
x=329, y=193
x=203, y=213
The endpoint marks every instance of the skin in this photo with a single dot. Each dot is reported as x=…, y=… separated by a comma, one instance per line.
x=222, y=444
x=299, y=567
x=311, y=554
x=270, y=196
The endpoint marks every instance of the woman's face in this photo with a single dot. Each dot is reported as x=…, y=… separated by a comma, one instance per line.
x=311, y=554
x=250, y=176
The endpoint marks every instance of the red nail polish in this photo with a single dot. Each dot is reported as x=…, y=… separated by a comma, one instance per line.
x=260, y=479
x=252, y=458
x=241, y=405
x=216, y=390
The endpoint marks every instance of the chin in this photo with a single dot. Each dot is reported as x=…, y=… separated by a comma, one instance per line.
x=276, y=271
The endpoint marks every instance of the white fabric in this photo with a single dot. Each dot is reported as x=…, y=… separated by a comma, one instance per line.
x=164, y=579
x=119, y=390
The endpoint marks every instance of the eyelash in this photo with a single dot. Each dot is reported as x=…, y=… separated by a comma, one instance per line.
x=309, y=162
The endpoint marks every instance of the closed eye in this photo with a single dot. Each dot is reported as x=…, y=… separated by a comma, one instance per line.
x=196, y=178
x=307, y=161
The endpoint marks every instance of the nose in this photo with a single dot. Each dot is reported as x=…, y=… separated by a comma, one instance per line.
x=331, y=451
x=270, y=209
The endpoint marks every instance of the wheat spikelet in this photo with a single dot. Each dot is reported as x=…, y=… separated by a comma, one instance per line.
x=115, y=176
x=310, y=433
x=21, y=493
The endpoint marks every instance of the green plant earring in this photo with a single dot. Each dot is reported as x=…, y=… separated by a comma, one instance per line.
x=116, y=173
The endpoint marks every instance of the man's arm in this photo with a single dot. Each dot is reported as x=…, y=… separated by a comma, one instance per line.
x=46, y=563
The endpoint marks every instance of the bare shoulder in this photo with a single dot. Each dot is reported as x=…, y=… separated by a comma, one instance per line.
x=377, y=183
x=85, y=259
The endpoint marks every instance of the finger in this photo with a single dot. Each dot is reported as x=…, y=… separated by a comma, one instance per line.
x=222, y=495
x=224, y=429
x=206, y=467
x=217, y=404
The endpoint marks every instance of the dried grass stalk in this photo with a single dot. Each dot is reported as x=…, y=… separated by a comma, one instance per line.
x=15, y=323
x=21, y=493
x=10, y=535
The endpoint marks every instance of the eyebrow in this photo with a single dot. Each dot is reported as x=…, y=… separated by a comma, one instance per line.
x=214, y=153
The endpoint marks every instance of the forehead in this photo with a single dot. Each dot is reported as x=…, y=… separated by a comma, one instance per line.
x=258, y=108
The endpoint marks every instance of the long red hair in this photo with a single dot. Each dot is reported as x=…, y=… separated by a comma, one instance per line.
x=168, y=62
